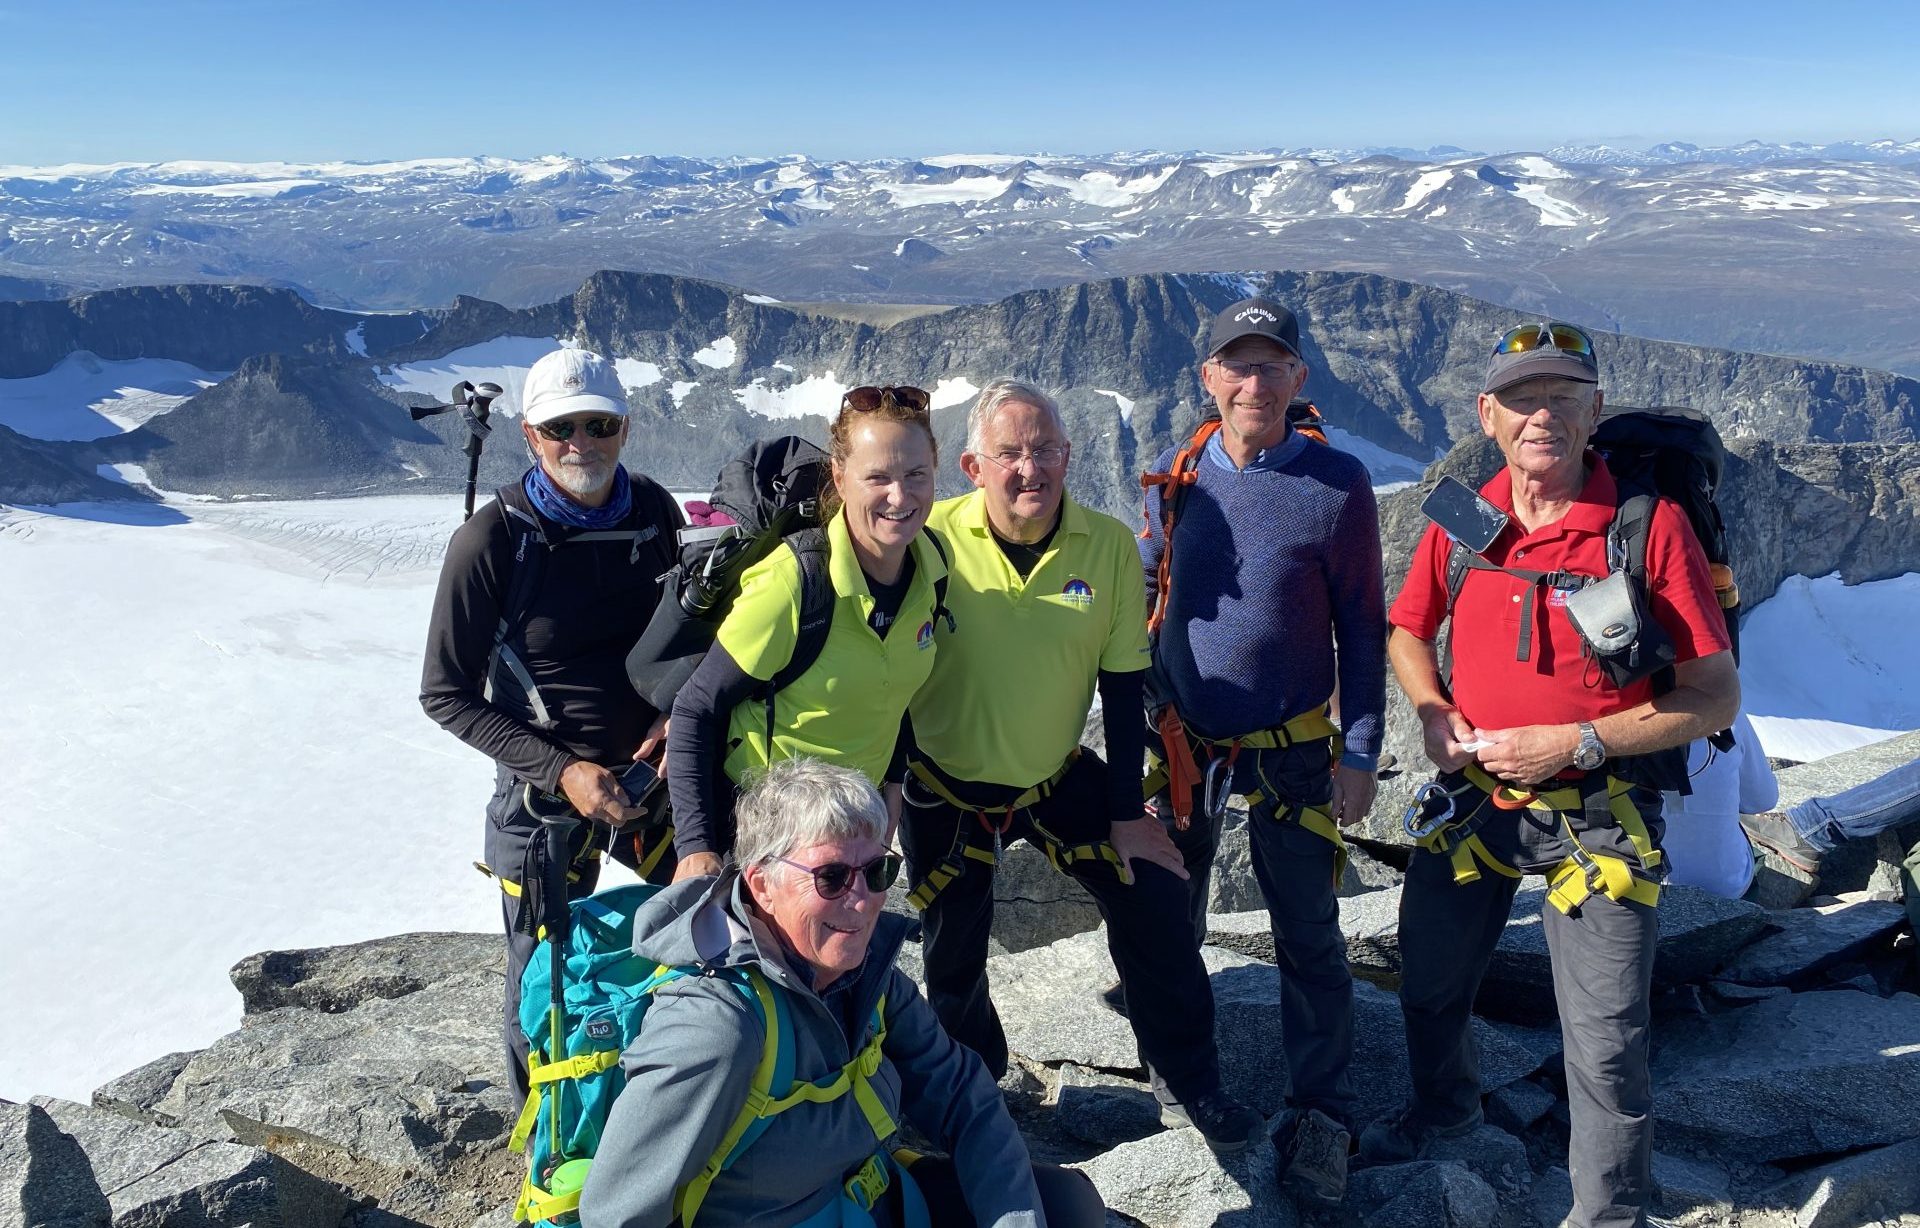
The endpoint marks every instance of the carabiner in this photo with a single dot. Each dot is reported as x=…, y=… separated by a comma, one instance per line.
x=1418, y=826
x=1217, y=787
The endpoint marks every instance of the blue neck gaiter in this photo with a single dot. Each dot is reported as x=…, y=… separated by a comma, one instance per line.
x=561, y=508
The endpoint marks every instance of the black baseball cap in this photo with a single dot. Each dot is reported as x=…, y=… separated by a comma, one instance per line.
x=1533, y=350
x=1254, y=317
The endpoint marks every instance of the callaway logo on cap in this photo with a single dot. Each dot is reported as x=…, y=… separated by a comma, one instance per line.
x=1254, y=317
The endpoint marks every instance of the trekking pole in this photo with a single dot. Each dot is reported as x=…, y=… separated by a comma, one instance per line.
x=557, y=828
x=474, y=401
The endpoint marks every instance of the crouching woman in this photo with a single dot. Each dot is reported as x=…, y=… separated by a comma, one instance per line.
x=717, y=1123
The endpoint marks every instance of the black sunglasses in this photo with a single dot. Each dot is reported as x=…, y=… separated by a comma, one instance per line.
x=869, y=397
x=561, y=429
x=835, y=879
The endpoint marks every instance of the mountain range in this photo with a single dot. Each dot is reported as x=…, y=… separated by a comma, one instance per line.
x=1792, y=249
x=266, y=394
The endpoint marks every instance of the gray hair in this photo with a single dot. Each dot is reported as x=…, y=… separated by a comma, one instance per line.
x=1000, y=392
x=801, y=802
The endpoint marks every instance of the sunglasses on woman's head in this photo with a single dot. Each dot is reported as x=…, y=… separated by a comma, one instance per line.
x=869, y=397
x=561, y=429
x=835, y=879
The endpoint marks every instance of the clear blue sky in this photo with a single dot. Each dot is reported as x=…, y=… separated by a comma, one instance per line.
x=140, y=80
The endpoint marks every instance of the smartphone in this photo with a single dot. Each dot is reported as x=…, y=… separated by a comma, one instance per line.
x=1467, y=517
x=639, y=780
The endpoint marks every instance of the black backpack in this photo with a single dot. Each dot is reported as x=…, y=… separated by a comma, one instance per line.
x=1675, y=453
x=772, y=492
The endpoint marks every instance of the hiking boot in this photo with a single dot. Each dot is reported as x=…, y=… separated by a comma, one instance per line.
x=1776, y=833
x=1115, y=997
x=1313, y=1162
x=1402, y=1135
x=1226, y=1124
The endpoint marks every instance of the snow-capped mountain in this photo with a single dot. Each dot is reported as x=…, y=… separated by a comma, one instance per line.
x=1787, y=249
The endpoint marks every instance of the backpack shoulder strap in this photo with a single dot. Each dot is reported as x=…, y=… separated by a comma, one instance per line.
x=528, y=562
x=940, y=610
x=809, y=546
x=774, y=1069
x=1181, y=473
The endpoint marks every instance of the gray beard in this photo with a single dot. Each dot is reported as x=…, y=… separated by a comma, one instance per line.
x=582, y=481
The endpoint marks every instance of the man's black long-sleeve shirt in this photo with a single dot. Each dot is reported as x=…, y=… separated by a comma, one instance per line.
x=593, y=600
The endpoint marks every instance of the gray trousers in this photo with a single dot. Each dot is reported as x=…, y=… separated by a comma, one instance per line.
x=1295, y=870
x=1602, y=958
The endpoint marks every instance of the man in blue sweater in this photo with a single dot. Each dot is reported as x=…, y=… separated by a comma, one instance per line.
x=1267, y=597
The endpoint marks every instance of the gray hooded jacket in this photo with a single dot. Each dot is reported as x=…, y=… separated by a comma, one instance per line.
x=689, y=1070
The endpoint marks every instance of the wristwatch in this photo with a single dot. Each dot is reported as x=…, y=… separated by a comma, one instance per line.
x=1591, y=752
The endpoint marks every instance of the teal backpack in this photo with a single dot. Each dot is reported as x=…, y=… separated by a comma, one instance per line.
x=607, y=991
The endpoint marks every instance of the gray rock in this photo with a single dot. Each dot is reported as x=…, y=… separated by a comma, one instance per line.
x=1874, y=1185
x=1367, y=873
x=1810, y=939
x=160, y=1178
x=1495, y=1156
x=1800, y=1075
x=134, y=1094
x=1233, y=887
x=1518, y=1105
x=1728, y=991
x=1424, y=1194
x=1049, y=1004
x=338, y=978
x=1551, y=1198
x=1685, y=1182
x=1104, y=1110
x=1034, y=904
x=1171, y=1180
x=45, y=1179
x=407, y=1084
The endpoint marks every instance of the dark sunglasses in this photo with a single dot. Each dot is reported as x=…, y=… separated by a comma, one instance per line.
x=1545, y=337
x=561, y=429
x=835, y=879
x=867, y=398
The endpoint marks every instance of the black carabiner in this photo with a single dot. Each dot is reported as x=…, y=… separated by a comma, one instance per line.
x=1217, y=788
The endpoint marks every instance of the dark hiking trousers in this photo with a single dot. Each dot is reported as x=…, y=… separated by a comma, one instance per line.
x=514, y=848
x=1169, y=999
x=1295, y=868
x=1602, y=955
x=1067, y=1197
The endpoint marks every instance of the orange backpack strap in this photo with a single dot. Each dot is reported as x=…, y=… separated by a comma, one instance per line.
x=1183, y=472
x=1304, y=416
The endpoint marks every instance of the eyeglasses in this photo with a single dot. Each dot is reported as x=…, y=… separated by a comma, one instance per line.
x=835, y=879
x=1046, y=456
x=1545, y=337
x=1239, y=372
x=561, y=429
x=869, y=397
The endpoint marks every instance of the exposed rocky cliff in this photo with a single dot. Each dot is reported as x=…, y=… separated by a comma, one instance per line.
x=361, y=1089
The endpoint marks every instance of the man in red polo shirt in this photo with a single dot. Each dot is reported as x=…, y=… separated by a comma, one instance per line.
x=1547, y=767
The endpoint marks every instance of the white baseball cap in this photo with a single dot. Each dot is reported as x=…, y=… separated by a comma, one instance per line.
x=571, y=382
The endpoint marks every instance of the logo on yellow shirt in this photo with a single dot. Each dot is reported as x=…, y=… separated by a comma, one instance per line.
x=924, y=640
x=1077, y=592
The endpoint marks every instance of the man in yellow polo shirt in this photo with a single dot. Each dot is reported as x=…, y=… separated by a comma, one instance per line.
x=1049, y=603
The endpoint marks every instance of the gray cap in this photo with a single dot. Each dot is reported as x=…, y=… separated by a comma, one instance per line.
x=1506, y=370
x=1254, y=317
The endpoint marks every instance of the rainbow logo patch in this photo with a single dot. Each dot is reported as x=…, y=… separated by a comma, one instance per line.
x=925, y=638
x=1077, y=592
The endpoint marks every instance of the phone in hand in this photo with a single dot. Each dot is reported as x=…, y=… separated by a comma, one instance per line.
x=640, y=780
x=1466, y=516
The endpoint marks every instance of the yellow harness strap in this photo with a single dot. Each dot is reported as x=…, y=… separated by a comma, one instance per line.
x=1307, y=727
x=1584, y=872
x=855, y=1076
x=952, y=866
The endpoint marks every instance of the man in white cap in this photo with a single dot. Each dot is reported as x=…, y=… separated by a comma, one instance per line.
x=541, y=595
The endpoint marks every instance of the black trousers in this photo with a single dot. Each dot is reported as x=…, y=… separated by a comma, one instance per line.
x=1169, y=999
x=1295, y=868
x=1067, y=1197
x=515, y=852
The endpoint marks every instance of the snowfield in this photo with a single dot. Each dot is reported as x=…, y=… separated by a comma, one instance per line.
x=214, y=748
x=87, y=397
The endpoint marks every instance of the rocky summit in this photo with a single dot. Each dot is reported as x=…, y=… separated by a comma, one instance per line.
x=362, y=1089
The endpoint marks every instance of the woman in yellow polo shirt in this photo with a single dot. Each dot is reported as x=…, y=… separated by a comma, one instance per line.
x=847, y=708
